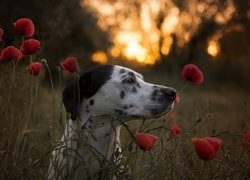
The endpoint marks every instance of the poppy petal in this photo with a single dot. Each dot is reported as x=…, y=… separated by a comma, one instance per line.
x=192, y=73
x=145, y=141
x=24, y=26
x=10, y=53
x=34, y=68
x=203, y=148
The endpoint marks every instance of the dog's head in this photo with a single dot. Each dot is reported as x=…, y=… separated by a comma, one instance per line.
x=117, y=90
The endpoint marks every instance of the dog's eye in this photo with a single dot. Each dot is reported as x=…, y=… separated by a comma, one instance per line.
x=129, y=80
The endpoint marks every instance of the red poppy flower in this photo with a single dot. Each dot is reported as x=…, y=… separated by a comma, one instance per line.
x=145, y=141
x=30, y=46
x=246, y=140
x=177, y=99
x=10, y=53
x=175, y=130
x=207, y=148
x=34, y=68
x=71, y=65
x=1, y=34
x=24, y=26
x=192, y=73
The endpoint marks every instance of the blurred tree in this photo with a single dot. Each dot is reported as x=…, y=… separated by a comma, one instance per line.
x=167, y=33
x=64, y=27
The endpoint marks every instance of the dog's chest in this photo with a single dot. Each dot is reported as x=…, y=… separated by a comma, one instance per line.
x=106, y=140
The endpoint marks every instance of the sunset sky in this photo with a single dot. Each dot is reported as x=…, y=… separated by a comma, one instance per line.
x=143, y=30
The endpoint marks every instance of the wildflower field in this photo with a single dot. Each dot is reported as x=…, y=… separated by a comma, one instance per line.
x=205, y=136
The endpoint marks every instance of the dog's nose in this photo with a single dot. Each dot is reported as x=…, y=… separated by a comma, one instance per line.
x=169, y=92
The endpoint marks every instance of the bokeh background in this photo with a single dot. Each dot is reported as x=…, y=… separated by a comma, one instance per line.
x=156, y=38
x=167, y=34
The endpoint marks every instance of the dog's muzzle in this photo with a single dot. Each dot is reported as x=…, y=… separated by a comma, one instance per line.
x=162, y=100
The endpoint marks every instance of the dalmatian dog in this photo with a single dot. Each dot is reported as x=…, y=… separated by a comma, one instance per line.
x=91, y=139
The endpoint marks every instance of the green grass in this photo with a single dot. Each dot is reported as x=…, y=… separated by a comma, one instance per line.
x=28, y=133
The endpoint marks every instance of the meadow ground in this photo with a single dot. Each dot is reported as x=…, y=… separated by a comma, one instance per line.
x=32, y=120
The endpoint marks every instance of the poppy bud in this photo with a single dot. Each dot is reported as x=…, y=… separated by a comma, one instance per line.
x=207, y=148
x=246, y=140
x=10, y=53
x=145, y=141
x=34, y=68
x=24, y=26
x=71, y=65
x=30, y=46
x=177, y=99
x=175, y=130
x=192, y=73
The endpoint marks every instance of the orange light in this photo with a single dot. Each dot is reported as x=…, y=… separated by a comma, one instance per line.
x=171, y=21
x=167, y=42
x=99, y=57
x=165, y=50
x=115, y=52
x=213, y=48
x=136, y=34
x=135, y=50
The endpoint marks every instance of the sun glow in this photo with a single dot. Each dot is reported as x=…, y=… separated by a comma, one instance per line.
x=213, y=48
x=145, y=31
x=99, y=57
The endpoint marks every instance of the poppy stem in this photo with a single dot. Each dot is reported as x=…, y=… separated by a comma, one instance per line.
x=185, y=85
x=53, y=96
x=30, y=59
x=11, y=89
x=36, y=97
x=141, y=166
x=203, y=169
x=135, y=163
x=217, y=169
x=156, y=128
x=61, y=90
x=143, y=121
x=198, y=120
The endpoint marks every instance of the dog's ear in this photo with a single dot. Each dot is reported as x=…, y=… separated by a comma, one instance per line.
x=93, y=80
x=71, y=98
x=84, y=87
x=74, y=93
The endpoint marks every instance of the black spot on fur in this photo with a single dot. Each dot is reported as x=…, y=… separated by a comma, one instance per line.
x=124, y=76
x=93, y=80
x=85, y=87
x=138, y=85
x=134, y=89
x=122, y=94
x=119, y=112
x=122, y=71
x=131, y=74
x=87, y=109
x=154, y=94
x=91, y=102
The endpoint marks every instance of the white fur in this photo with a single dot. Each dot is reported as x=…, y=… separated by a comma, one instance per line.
x=106, y=138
